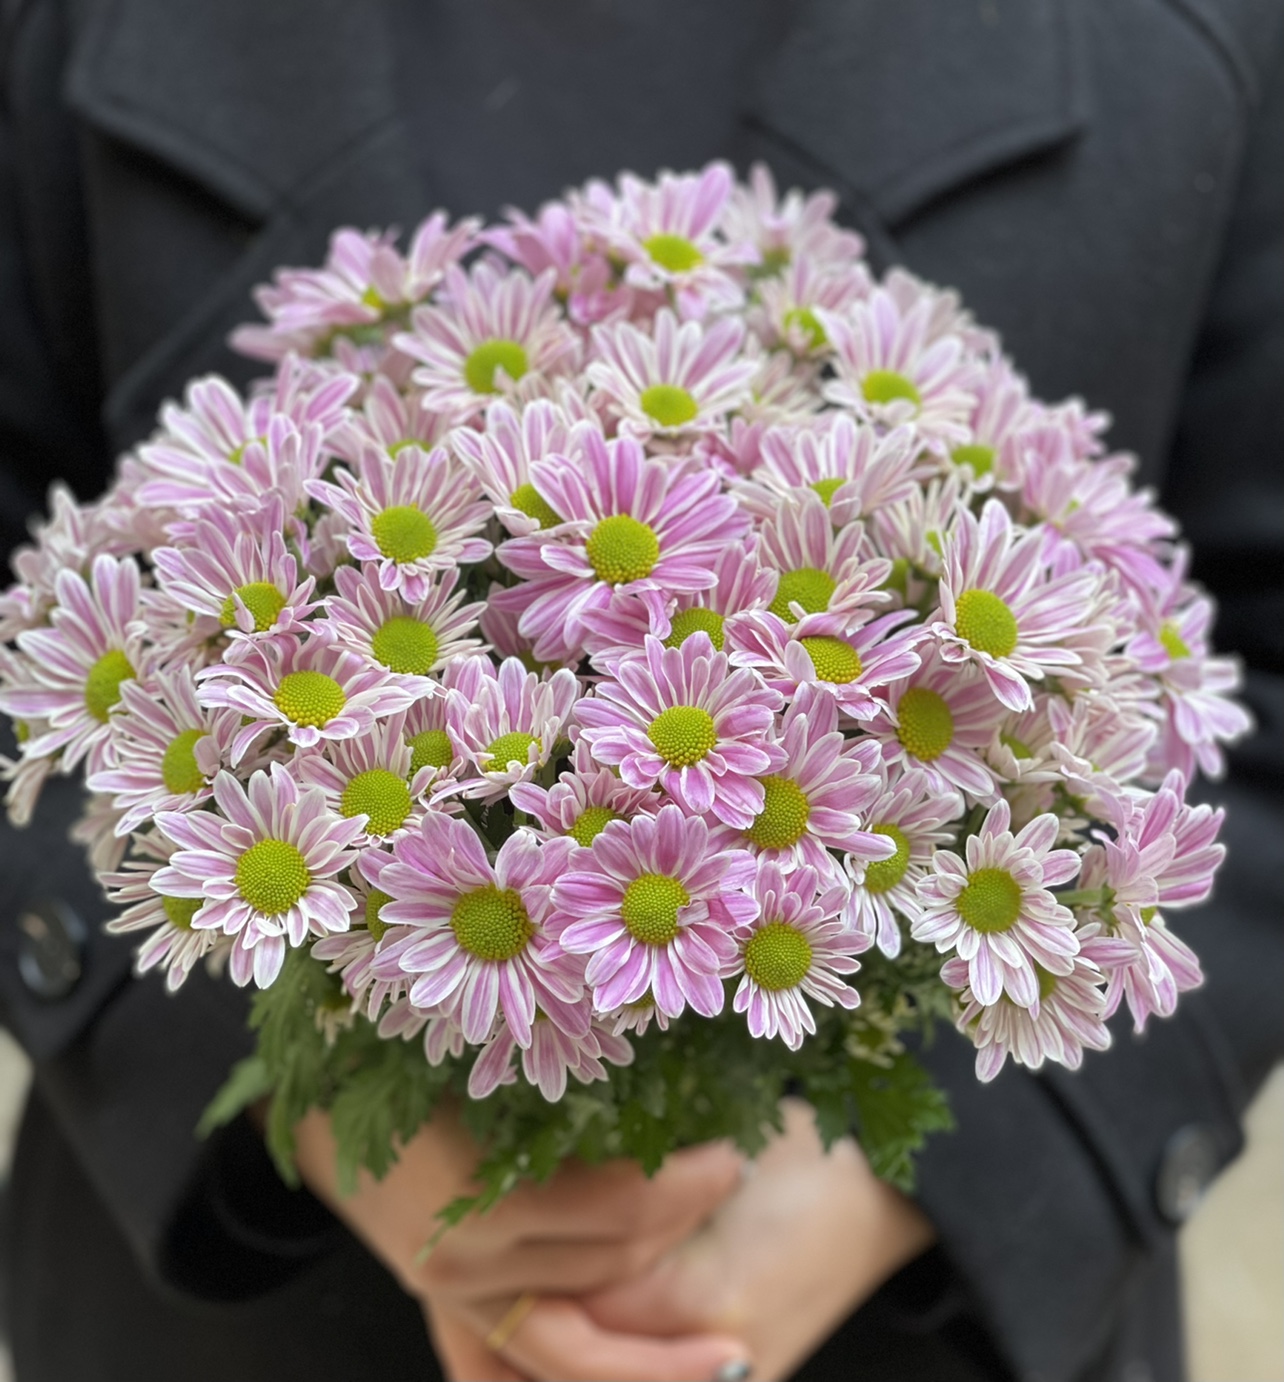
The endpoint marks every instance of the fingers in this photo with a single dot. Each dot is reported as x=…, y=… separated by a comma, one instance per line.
x=463, y=1356
x=558, y=1342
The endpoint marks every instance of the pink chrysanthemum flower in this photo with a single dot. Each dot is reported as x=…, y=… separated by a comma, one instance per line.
x=995, y=909
x=370, y=775
x=315, y=690
x=1097, y=743
x=856, y=471
x=1068, y=1019
x=431, y=745
x=785, y=229
x=911, y=814
x=235, y=570
x=633, y=523
x=412, y=516
x=1000, y=425
x=390, y=419
x=679, y=378
x=667, y=233
x=584, y=801
x=941, y=719
x=911, y=534
x=175, y=946
x=491, y=331
x=847, y=666
x=794, y=950
x=553, y=1054
x=785, y=313
x=408, y=638
x=511, y=724
x=72, y=672
x=1002, y=609
x=682, y=718
x=266, y=868
x=351, y=954
x=168, y=748
x=890, y=370
x=652, y=905
x=469, y=934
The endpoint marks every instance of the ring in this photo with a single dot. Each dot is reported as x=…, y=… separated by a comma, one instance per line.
x=512, y=1321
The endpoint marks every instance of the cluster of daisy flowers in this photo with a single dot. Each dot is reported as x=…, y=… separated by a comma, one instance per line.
x=633, y=609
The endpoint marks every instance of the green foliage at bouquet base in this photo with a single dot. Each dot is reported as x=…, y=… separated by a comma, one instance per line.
x=699, y=1081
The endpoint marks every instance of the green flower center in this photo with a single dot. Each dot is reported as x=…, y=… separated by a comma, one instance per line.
x=697, y=619
x=309, y=698
x=620, y=549
x=809, y=587
x=404, y=533
x=1172, y=642
x=991, y=901
x=1017, y=747
x=827, y=488
x=528, y=500
x=591, y=822
x=480, y=367
x=986, y=622
x=682, y=734
x=886, y=386
x=784, y=815
x=669, y=405
x=379, y=794
x=181, y=910
x=979, y=459
x=773, y=261
x=778, y=956
x=179, y=771
x=430, y=748
x=491, y=923
x=263, y=600
x=898, y=580
x=272, y=876
x=832, y=659
x=513, y=747
x=102, y=685
x=926, y=726
x=804, y=319
x=885, y=874
x=673, y=252
x=375, y=923
x=650, y=908
x=404, y=644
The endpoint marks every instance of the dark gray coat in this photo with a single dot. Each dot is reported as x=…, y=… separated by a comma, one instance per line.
x=1104, y=182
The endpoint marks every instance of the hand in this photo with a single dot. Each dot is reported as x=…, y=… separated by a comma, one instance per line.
x=586, y=1228
x=805, y=1240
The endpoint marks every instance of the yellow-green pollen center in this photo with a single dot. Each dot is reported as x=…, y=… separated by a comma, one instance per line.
x=804, y=321
x=783, y=819
x=513, y=747
x=620, y=549
x=886, y=386
x=528, y=500
x=885, y=874
x=404, y=533
x=682, y=734
x=263, y=600
x=926, y=726
x=490, y=356
x=986, y=622
x=828, y=488
x=375, y=923
x=181, y=910
x=430, y=748
x=102, y=685
x=405, y=644
x=991, y=901
x=673, y=252
x=491, y=923
x=669, y=405
x=379, y=794
x=809, y=587
x=590, y=823
x=650, y=908
x=778, y=956
x=1172, y=642
x=309, y=698
x=179, y=770
x=695, y=620
x=832, y=659
x=272, y=876
x=979, y=459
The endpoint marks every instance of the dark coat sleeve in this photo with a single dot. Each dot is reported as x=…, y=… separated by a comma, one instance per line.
x=1060, y=1192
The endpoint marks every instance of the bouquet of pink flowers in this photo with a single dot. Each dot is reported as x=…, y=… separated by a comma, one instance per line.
x=637, y=645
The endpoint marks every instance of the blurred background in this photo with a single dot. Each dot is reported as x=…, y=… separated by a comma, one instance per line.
x=1232, y=1249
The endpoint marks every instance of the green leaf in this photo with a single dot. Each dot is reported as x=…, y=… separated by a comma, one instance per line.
x=896, y=1108
x=250, y=1080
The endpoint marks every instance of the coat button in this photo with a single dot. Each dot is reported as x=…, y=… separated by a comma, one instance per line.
x=51, y=950
x=1189, y=1163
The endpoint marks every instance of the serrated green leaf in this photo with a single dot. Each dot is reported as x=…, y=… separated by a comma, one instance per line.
x=249, y=1081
